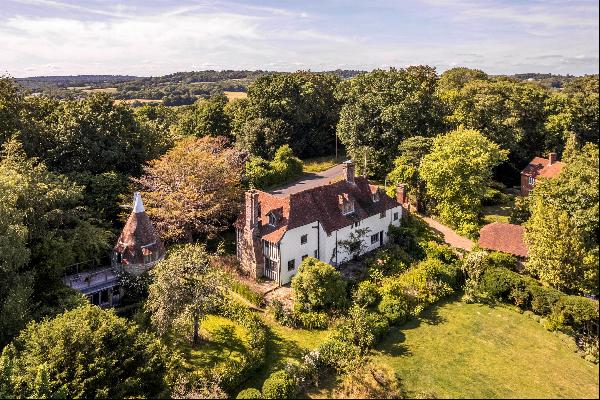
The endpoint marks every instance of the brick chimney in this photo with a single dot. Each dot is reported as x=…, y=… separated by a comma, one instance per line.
x=349, y=171
x=552, y=158
x=251, y=209
x=401, y=193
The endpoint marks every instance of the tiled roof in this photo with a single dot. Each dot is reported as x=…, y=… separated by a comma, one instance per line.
x=319, y=204
x=138, y=239
x=541, y=167
x=507, y=238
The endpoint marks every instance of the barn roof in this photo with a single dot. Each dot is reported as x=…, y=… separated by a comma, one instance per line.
x=507, y=238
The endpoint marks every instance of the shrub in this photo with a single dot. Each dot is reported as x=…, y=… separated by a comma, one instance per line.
x=406, y=238
x=283, y=315
x=249, y=393
x=498, y=283
x=247, y=292
x=339, y=354
x=501, y=260
x=361, y=328
x=429, y=281
x=542, y=298
x=389, y=261
x=279, y=386
x=312, y=320
x=370, y=382
x=440, y=251
x=367, y=294
x=318, y=287
x=261, y=173
x=395, y=308
x=575, y=315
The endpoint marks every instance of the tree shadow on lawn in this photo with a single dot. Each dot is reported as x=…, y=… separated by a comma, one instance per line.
x=222, y=344
x=393, y=344
x=279, y=350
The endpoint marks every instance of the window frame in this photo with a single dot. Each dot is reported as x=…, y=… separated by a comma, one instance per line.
x=396, y=216
x=304, y=238
x=293, y=264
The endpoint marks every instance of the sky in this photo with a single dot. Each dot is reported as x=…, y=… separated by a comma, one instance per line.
x=157, y=37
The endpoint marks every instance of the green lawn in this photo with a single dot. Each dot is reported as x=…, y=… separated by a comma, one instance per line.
x=318, y=164
x=497, y=213
x=222, y=339
x=475, y=351
x=284, y=344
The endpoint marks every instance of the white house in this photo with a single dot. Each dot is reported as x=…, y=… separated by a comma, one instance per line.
x=275, y=233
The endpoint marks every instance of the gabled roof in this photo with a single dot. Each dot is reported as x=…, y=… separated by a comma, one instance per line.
x=540, y=167
x=319, y=204
x=507, y=238
x=138, y=238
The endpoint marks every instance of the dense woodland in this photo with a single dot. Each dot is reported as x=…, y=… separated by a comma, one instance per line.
x=69, y=164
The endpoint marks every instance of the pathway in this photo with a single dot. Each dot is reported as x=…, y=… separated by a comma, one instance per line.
x=450, y=237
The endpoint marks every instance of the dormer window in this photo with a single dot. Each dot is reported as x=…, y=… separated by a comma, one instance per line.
x=375, y=197
x=272, y=219
x=346, y=203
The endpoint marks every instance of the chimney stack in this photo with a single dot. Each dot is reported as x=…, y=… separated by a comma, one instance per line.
x=251, y=205
x=552, y=158
x=401, y=193
x=349, y=171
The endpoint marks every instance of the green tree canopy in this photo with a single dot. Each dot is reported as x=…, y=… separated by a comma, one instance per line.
x=456, y=78
x=84, y=353
x=185, y=288
x=298, y=109
x=457, y=171
x=382, y=108
x=206, y=117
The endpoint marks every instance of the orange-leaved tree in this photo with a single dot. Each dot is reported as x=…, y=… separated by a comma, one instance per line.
x=195, y=189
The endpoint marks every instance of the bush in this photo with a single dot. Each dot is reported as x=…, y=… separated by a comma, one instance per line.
x=429, y=281
x=313, y=320
x=279, y=386
x=406, y=238
x=261, y=173
x=370, y=382
x=575, y=315
x=542, y=299
x=361, y=328
x=247, y=292
x=367, y=294
x=283, y=315
x=395, y=308
x=249, y=393
x=389, y=261
x=318, y=287
x=498, y=283
x=502, y=260
x=441, y=252
x=493, y=197
x=339, y=354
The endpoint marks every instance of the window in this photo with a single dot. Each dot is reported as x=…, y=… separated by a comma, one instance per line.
x=291, y=264
x=272, y=219
x=395, y=216
x=382, y=214
x=316, y=253
x=531, y=181
x=304, y=256
x=375, y=197
x=375, y=238
x=356, y=224
x=303, y=239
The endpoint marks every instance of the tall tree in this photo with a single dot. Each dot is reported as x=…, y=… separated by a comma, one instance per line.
x=457, y=171
x=456, y=78
x=509, y=113
x=382, y=108
x=84, y=353
x=185, y=288
x=407, y=165
x=206, y=118
x=298, y=109
x=194, y=189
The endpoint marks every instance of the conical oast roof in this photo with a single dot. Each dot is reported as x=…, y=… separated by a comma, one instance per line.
x=139, y=243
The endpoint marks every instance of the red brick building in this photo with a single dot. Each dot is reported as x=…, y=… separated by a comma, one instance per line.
x=539, y=168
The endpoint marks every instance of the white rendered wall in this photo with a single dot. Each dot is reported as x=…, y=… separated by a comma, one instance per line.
x=291, y=247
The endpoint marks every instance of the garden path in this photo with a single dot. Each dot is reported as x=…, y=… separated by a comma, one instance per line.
x=450, y=237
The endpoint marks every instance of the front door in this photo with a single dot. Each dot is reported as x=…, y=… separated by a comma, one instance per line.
x=270, y=269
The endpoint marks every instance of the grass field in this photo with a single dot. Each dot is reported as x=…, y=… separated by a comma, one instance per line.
x=318, y=164
x=474, y=351
x=222, y=339
x=235, y=95
x=498, y=213
x=284, y=344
